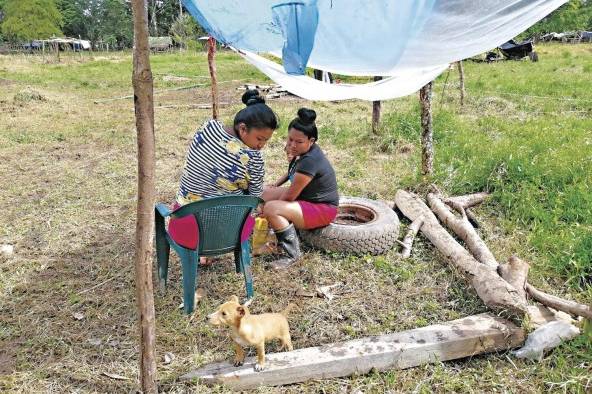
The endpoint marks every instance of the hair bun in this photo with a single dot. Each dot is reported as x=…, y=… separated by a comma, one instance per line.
x=251, y=97
x=306, y=115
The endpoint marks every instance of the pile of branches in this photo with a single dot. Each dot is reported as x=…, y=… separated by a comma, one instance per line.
x=502, y=287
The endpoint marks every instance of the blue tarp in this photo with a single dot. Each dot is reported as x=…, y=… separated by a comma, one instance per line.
x=375, y=37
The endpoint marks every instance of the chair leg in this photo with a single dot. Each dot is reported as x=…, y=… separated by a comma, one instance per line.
x=246, y=267
x=238, y=260
x=189, y=262
x=162, y=252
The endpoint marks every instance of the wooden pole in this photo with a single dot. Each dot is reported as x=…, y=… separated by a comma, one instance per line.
x=461, y=73
x=212, y=68
x=376, y=112
x=144, y=109
x=427, y=139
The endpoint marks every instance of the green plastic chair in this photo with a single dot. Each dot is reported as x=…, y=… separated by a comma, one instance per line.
x=220, y=221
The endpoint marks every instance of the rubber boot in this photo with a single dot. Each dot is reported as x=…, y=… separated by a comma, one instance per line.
x=289, y=242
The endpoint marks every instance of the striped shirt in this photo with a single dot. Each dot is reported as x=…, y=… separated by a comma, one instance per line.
x=219, y=164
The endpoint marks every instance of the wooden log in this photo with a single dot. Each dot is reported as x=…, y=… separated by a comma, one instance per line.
x=144, y=106
x=463, y=228
x=440, y=342
x=515, y=272
x=376, y=112
x=410, y=236
x=559, y=303
x=495, y=292
x=427, y=139
x=213, y=75
x=468, y=200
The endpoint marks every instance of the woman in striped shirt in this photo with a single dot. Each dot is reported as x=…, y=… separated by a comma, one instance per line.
x=223, y=160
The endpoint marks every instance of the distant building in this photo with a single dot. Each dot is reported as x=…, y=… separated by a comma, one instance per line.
x=160, y=43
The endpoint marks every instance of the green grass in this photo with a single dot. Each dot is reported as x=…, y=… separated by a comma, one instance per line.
x=69, y=193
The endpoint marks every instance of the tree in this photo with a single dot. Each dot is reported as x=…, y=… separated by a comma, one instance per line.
x=116, y=23
x=184, y=31
x=163, y=13
x=98, y=20
x=572, y=16
x=25, y=20
x=75, y=20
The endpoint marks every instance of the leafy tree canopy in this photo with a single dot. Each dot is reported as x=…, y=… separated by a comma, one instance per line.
x=26, y=20
x=98, y=20
x=572, y=16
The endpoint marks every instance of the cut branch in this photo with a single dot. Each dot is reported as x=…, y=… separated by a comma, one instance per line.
x=495, y=292
x=515, y=272
x=559, y=303
x=410, y=236
x=464, y=230
x=468, y=200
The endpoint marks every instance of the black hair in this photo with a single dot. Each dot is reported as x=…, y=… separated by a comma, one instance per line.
x=256, y=113
x=305, y=122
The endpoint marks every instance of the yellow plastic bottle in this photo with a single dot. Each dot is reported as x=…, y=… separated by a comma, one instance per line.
x=260, y=233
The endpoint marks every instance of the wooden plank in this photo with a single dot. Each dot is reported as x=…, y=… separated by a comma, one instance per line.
x=440, y=342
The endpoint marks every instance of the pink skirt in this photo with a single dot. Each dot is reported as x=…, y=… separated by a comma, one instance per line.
x=316, y=214
x=184, y=231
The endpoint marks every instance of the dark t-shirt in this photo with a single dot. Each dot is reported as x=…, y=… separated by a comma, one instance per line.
x=323, y=186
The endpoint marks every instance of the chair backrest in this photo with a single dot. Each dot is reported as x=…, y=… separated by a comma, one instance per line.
x=220, y=221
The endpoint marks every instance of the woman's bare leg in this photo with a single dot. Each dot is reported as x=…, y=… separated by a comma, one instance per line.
x=279, y=214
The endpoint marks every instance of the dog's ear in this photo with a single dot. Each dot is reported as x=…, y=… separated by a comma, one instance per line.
x=234, y=298
x=240, y=310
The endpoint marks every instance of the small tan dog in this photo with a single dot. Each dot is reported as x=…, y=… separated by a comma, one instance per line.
x=252, y=330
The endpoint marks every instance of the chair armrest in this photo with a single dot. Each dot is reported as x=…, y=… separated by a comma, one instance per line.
x=163, y=210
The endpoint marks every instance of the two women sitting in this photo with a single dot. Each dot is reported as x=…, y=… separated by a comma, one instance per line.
x=222, y=161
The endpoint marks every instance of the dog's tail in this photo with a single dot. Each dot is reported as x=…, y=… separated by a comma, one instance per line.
x=288, y=309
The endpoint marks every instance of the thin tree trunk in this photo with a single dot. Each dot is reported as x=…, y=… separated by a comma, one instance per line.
x=180, y=8
x=144, y=108
x=154, y=21
x=461, y=73
x=376, y=112
x=427, y=139
x=212, y=68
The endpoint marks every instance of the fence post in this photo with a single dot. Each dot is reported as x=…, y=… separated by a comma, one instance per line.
x=461, y=73
x=427, y=139
x=214, y=78
x=144, y=111
x=376, y=112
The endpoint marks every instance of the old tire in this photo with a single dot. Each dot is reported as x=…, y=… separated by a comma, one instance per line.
x=362, y=226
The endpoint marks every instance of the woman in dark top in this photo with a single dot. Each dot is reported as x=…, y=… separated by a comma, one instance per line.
x=312, y=199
